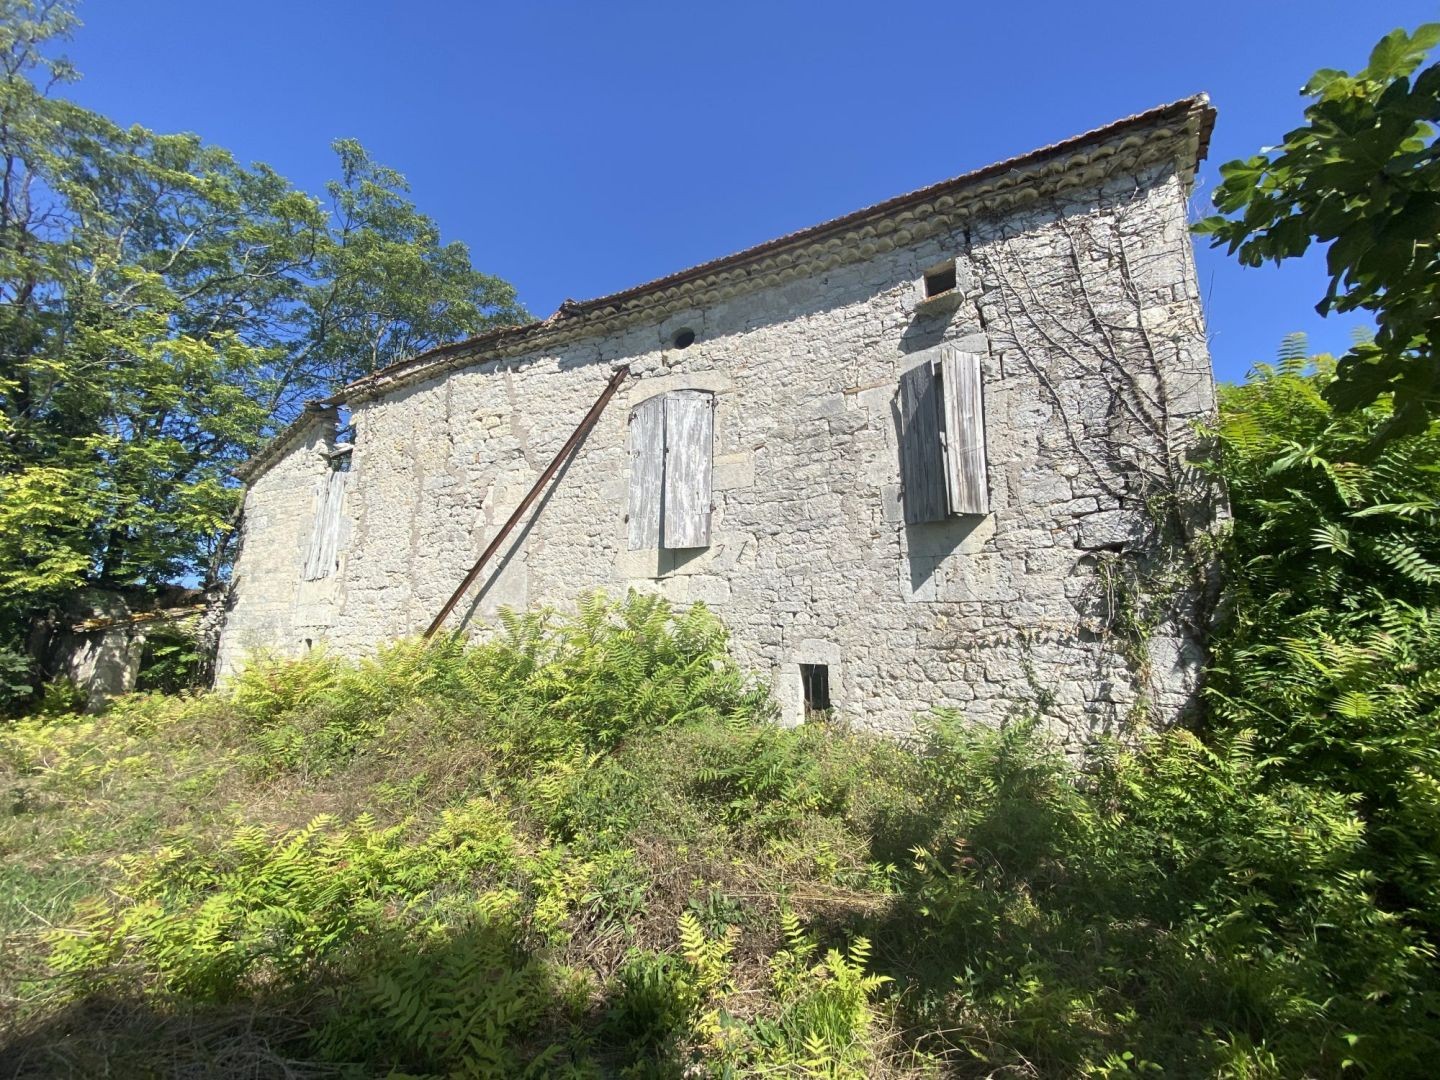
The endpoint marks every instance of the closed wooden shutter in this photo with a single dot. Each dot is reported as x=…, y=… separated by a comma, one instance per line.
x=964, y=421
x=647, y=471
x=324, y=554
x=922, y=476
x=689, y=434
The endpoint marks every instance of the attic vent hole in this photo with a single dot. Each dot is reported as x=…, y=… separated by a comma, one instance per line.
x=683, y=339
x=940, y=280
x=815, y=682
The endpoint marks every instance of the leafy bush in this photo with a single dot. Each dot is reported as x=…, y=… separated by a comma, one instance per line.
x=544, y=690
x=656, y=996
x=767, y=777
x=551, y=688
x=172, y=660
x=826, y=1009
x=1332, y=652
x=317, y=712
x=16, y=679
x=459, y=1003
x=1176, y=904
x=271, y=908
x=819, y=1017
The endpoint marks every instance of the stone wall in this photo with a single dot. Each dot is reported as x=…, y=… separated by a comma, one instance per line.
x=100, y=642
x=270, y=607
x=1087, y=314
x=101, y=663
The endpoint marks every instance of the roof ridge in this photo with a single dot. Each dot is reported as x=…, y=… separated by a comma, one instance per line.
x=1179, y=107
x=1196, y=106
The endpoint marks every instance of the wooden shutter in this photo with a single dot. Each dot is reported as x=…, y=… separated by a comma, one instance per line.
x=647, y=471
x=324, y=552
x=922, y=475
x=689, y=436
x=964, y=436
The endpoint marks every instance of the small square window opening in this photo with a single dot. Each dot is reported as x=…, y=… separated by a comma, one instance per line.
x=940, y=280
x=815, y=684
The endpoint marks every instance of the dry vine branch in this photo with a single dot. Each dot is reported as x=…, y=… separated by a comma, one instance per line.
x=1095, y=329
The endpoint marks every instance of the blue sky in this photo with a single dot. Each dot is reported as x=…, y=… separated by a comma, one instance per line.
x=582, y=148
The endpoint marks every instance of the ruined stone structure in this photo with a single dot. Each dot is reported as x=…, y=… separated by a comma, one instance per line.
x=101, y=638
x=931, y=454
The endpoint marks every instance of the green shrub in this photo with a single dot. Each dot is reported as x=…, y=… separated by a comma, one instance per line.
x=541, y=692
x=263, y=908
x=550, y=688
x=172, y=660
x=826, y=1008
x=652, y=1007
x=767, y=777
x=17, y=679
x=816, y=1019
x=1332, y=651
x=315, y=713
x=461, y=1003
x=1171, y=907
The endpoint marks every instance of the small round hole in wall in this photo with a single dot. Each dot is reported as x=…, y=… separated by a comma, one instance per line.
x=683, y=338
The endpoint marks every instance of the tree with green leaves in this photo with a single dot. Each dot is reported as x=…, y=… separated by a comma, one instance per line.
x=1363, y=176
x=163, y=308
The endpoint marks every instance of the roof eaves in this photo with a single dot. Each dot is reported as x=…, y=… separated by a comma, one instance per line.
x=1193, y=116
x=1194, y=112
x=312, y=412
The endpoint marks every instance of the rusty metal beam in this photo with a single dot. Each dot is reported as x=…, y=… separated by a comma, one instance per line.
x=565, y=451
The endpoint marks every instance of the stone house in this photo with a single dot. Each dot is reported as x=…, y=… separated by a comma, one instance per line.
x=934, y=453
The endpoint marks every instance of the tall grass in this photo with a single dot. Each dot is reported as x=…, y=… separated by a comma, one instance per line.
x=582, y=848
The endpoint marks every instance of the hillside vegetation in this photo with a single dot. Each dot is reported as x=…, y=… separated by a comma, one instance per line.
x=582, y=848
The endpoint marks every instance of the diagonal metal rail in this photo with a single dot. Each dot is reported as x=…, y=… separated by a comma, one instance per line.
x=565, y=451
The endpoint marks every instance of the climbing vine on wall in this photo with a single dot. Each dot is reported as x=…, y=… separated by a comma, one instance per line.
x=1115, y=349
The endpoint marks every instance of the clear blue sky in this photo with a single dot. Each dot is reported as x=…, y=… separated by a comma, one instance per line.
x=579, y=148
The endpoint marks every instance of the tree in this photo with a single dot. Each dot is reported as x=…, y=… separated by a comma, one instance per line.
x=1363, y=175
x=164, y=308
x=385, y=287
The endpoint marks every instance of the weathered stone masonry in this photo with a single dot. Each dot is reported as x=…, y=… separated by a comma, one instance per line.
x=1081, y=592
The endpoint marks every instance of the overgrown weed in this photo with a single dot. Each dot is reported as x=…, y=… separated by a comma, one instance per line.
x=583, y=848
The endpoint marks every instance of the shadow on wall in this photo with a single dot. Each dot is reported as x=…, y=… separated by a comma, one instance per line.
x=102, y=663
x=927, y=545
x=926, y=330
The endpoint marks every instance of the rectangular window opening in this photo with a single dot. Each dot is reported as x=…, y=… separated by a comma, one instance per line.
x=940, y=280
x=323, y=558
x=815, y=683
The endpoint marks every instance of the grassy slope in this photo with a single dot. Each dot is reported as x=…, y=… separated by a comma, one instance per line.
x=582, y=850
x=395, y=745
